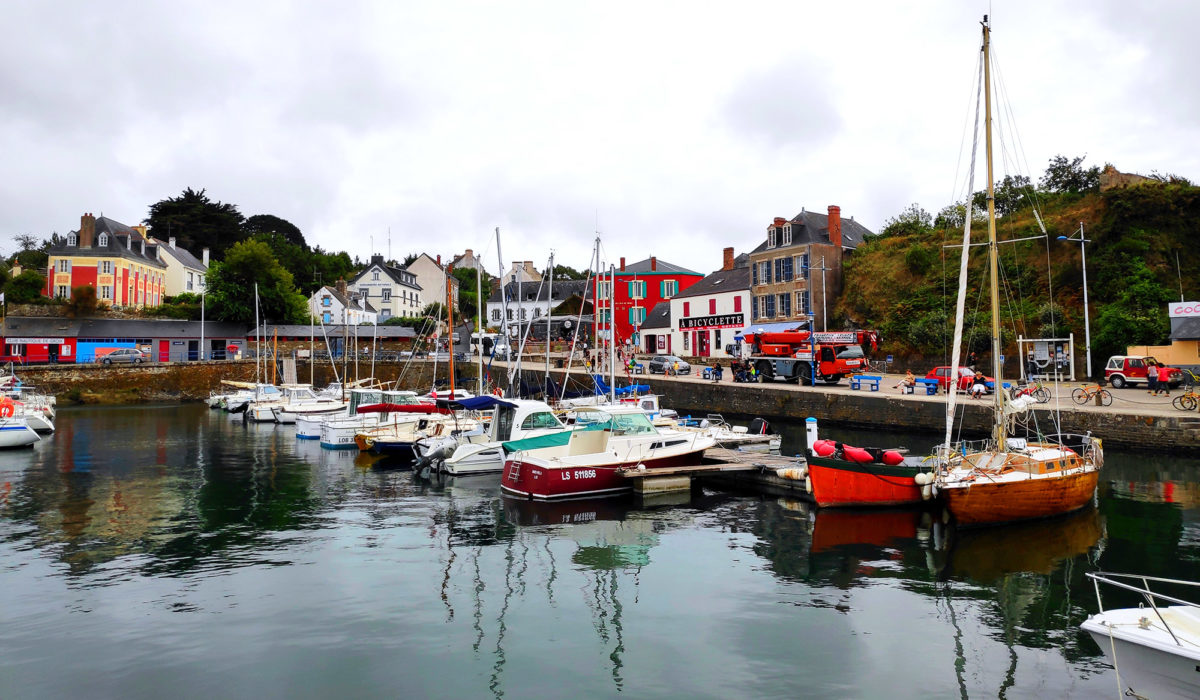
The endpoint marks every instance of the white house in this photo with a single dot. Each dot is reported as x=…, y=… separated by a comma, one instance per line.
x=337, y=305
x=530, y=301
x=184, y=272
x=391, y=291
x=431, y=277
x=703, y=319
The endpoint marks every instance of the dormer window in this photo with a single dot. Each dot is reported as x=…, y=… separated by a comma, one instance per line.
x=71, y=239
x=771, y=237
x=103, y=240
x=787, y=234
x=375, y=276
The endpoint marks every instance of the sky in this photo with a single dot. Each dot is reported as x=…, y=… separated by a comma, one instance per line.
x=672, y=129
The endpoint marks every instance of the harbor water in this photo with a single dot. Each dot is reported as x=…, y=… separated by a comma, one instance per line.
x=165, y=551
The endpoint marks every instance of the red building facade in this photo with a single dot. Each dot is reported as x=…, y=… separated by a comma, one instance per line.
x=638, y=288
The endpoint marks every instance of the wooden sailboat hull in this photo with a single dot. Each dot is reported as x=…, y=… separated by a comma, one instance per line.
x=984, y=503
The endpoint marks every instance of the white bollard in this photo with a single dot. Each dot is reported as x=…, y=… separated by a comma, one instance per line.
x=810, y=428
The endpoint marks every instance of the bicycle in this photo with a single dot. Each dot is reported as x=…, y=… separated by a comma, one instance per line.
x=1084, y=394
x=1190, y=398
x=1037, y=390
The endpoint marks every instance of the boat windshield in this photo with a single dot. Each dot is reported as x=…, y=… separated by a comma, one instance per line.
x=541, y=419
x=632, y=424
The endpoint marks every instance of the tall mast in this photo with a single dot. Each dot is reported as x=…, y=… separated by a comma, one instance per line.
x=549, y=301
x=993, y=250
x=479, y=309
x=504, y=309
x=257, y=339
x=612, y=333
x=450, y=326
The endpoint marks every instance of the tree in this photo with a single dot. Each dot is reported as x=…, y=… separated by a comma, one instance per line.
x=1012, y=194
x=27, y=241
x=25, y=288
x=1069, y=175
x=565, y=272
x=912, y=221
x=32, y=254
x=410, y=259
x=197, y=222
x=266, y=223
x=82, y=303
x=468, y=303
x=230, y=285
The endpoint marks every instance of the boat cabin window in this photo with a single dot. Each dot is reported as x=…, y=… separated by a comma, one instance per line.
x=541, y=419
x=632, y=424
x=502, y=423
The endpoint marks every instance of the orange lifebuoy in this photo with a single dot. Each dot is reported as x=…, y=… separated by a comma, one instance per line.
x=7, y=408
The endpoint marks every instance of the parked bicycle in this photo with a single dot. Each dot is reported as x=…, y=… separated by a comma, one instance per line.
x=1037, y=390
x=1084, y=394
x=1190, y=398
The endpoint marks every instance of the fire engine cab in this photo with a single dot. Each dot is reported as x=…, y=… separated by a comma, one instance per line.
x=801, y=356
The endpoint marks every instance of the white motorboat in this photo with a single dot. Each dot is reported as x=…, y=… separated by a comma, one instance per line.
x=14, y=432
x=308, y=427
x=301, y=399
x=481, y=453
x=338, y=434
x=1155, y=647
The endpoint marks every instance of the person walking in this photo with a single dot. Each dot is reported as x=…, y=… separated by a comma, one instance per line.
x=1163, y=386
x=1152, y=378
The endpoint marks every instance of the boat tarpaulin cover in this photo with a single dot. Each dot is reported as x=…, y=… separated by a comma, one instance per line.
x=403, y=408
x=475, y=403
x=555, y=439
x=602, y=387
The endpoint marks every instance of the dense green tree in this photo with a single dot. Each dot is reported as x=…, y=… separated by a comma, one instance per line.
x=310, y=268
x=566, y=272
x=267, y=223
x=197, y=222
x=25, y=288
x=230, y=285
x=410, y=259
x=82, y=303
x=1069, y=175
x=468, y=303
x=31, y=251
x=1013, y=193
x=912, y=221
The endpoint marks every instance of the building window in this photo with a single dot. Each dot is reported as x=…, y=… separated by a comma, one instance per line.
x=802, y=263
x=375, y=275
x=783, y=269
x=637, y=289
x=190, y=281
x=63, y=292
x=326, y=301
x=524, y=314
x=71, y=239
x=802, y=303
x=537, y=312
x=637, y=315
x=787, y=234
x=495, y=314
x=771, y=237
x=712, y=306
x=764, y=272
x=326, y=317
x=106, y=292
x=785, y=305
x=602, y=290
x=106, y=267
x=687, y=308
x=63, y=266
x=668, y=288
x=686, y=336
x=103, y=240
x=387, y=294
x=510, y=314
x=769, y=306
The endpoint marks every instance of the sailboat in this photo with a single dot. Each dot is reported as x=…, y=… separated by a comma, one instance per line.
x=1005, y=479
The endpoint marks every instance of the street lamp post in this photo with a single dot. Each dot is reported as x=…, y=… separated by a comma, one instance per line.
x=1087, y=330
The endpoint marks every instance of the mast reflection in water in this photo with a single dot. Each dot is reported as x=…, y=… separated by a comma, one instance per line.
x=166, y=551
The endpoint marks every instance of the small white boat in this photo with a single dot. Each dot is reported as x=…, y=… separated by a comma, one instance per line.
x=338, y=433
x=1155, y=647
x=481, y=453
x=14, y=432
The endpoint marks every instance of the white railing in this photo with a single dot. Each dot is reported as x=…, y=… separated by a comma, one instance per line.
x=1148, y=595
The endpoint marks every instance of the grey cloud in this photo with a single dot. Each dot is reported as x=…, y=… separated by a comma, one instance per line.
x=789, y=105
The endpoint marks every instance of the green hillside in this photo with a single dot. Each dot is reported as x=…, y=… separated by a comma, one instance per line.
x=903, y=282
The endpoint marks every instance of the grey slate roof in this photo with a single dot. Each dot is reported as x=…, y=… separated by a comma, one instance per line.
x=643, y=266
x=180, y=254
x=118, y=235
x=659, y=317
x=41, y=327
x=720, y=281
x=334, y=331
x=529, y=291
x=391, y=272
x=813, y=227
x=352, y=303
x=28, y=326
x=1185, y=328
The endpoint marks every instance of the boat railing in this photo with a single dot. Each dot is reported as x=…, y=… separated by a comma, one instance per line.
x=1151, y=597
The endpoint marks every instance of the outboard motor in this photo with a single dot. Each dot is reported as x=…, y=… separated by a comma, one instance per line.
x=760, y=426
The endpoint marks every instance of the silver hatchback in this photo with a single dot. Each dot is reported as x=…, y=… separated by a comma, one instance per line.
x=131, y=356
x=668, y=364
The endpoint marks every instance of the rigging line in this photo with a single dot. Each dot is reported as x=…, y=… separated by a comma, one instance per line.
x=954, y=193
x=1020, y=160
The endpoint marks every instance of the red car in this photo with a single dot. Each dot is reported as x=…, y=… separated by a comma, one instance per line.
x=1131, y=369
x=966, y=377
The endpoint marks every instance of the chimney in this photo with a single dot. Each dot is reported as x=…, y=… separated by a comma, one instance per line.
x=622, y=264
x=469, y=254
x=171, y=241
x=727, y=262
x=653, y=264
x=87, y=230
x=204, y=257
x=439, y=261
x=780, y=221
x=341, y=287
x=835, y=225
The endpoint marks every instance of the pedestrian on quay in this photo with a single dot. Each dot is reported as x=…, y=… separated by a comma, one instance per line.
x=1163, y=386
x=1152, y=378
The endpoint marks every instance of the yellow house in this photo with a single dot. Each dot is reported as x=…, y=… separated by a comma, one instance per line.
x=116, y=259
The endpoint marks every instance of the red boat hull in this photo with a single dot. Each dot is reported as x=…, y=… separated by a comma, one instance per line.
x=837, y=482
x=534, y=479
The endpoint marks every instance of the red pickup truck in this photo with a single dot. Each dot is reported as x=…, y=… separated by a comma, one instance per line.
x=1131, y=369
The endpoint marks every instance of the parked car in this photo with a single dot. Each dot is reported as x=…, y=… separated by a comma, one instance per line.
x=132, y=356
x=1131, y=369
x=660, y=364
x=966, y=377
x=500, y=351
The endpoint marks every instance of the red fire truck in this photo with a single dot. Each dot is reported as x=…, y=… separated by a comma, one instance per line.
x=794, y=357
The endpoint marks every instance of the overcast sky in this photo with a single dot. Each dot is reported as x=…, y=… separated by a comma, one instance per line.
x=674, y=129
